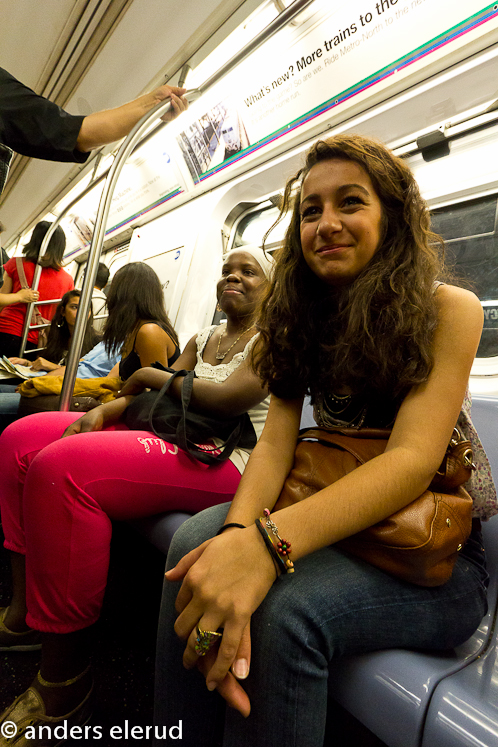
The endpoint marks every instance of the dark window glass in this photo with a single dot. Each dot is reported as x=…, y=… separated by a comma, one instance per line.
x=466, y=218
x=475, y=257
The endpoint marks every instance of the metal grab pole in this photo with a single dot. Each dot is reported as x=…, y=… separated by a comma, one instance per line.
x=96, y=248
x=104, y=205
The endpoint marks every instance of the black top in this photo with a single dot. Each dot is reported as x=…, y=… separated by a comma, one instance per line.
x=34, y=126
x=130, y=364
x=355, y=411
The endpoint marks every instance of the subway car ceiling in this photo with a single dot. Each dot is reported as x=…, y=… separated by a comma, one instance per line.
x=88, y=55
x=419, y=76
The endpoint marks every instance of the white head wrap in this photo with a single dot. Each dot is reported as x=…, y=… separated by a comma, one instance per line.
x=265, y=261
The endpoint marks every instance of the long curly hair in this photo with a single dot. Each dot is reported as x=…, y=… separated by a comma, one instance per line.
x=374, y=335
x=135, y=295
x=59, y=335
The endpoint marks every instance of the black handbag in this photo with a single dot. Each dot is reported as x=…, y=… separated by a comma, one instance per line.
x=172, y=420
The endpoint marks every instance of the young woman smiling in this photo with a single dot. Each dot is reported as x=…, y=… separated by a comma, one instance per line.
x=356, y=317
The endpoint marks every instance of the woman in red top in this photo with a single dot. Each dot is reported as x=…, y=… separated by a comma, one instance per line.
x=54, y=282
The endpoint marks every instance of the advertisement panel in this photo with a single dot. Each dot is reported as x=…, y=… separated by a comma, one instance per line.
x=299, y=75
x=290, y=81
x=148, y=179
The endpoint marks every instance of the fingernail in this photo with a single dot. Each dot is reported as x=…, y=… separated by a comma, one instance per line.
x=210, y=686
x=240, y=668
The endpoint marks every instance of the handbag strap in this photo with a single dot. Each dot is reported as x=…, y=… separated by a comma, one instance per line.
x=36, y=317
x=162, y=392
x=181, y=432
x=366, y=443
x=22, y=274
x=192, y=448
x=363, y=445
x=329, y=434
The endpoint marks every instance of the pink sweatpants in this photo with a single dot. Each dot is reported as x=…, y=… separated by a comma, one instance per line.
x=57, y=498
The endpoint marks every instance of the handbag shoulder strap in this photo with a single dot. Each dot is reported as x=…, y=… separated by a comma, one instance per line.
x=187, y=445
x=366, y=443
x=36, y=317
x=160, y=395
x=21, y=273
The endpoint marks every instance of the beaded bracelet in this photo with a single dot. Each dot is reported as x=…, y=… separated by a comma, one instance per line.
x=229, y=526
x=282, y=548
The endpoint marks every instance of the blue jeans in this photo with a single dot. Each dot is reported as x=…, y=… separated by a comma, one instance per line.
x=333, y=605
x=9, y=403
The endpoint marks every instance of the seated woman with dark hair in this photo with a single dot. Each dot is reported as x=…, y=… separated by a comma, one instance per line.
x=358, y=316
x=60, y=336
x=138, y=324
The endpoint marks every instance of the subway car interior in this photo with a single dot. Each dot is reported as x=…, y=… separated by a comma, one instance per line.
x=265, y=80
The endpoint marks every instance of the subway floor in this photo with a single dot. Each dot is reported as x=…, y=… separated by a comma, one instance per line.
x=123, y=660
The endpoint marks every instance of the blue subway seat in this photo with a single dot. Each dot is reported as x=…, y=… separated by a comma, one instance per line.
x=391, y=692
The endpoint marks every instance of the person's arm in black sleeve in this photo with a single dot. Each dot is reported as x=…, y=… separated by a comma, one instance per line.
x=36, y=127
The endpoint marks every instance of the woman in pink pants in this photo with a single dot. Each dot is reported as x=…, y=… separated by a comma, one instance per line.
x=65, y=478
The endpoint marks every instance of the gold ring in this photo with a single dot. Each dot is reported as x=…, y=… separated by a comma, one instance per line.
x=205, y=640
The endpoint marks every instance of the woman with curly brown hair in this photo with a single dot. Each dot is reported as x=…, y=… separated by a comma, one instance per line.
x=357, y=317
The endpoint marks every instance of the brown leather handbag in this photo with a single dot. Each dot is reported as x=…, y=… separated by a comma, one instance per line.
x=419, y=543
x=49, y=402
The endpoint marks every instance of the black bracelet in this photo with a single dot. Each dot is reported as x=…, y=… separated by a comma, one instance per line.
x=229, y=526
x=277, y=560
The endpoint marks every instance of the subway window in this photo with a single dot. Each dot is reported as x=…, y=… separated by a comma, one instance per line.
x=253, y=225
x=471, y=236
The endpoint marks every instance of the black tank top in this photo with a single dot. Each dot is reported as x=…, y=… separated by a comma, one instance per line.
x=355, y=411
x=130, y=364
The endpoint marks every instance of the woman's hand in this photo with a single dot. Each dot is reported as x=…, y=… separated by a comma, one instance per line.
x=42, y=364
x=224, y=581
x=93, y=420
x=144, y=378
x=26, y=295
x=99, y=417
